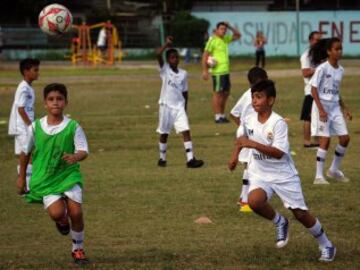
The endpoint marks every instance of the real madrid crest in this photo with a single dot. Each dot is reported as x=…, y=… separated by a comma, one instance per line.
x=270, y=136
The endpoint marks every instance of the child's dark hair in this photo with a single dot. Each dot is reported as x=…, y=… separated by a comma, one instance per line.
x=268, y=86
x=312, y=34
x=318, y=53
x=220, y=24
x=55, y=87
x=255, y=74
x=169, y=52
x=27, y=64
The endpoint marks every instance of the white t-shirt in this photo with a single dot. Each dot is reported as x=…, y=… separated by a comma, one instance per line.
x=24, y=97
x=243, y=106
x=327, y=80
x=274, y=132
x=306, y=63
x=101, y=41
x=80, y=141
x=173, y=86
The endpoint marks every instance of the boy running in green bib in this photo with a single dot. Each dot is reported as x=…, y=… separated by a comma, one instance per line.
x=57, y=144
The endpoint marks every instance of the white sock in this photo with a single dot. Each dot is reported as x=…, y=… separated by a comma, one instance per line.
x=217, y=116
x=339, y=154
x=77, y=239
x=162, y=150
x=189, y=150
x=28, y=176
x=320, y=160
x=245, y=187
x=318, y=232
x=278, y=219
x=223, y=115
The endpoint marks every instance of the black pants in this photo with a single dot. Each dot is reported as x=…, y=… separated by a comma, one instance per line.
x=260, y=56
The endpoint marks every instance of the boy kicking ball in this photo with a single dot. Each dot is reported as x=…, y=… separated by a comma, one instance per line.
x=58, y=144
x=271, y=169
x=173, y=104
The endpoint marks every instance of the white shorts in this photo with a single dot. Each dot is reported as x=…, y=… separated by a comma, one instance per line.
x=289, y=192
x=75, y=194
x=169, y=118
x=244, y=156
x=335, y=124
x=20, y=143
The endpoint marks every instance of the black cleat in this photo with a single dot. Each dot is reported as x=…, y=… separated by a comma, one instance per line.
x=195, y=163
x=222, y=120
x=162, y=163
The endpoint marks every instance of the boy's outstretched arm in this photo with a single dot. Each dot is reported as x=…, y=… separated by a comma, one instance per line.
x=159, y=51
x=21, y=181
x=265, y=149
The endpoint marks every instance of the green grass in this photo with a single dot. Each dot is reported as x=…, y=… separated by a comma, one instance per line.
x=139, y=216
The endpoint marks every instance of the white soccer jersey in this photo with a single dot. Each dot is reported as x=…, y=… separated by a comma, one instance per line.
x=24, y=97
x=173, y=86
x=327, y=80
x=305, y=62
x=80, y=141
x=274, y=132
x=243, y=106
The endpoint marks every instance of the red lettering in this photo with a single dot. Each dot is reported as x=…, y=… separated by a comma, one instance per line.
x=353, y=32
x=335, y=31
x=321, y=30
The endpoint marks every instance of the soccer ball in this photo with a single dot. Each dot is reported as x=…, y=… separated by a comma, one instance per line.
x=55, y=19
x=211, y=61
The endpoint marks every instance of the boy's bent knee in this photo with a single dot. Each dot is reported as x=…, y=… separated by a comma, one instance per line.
x=257, y=199
x=344, y=140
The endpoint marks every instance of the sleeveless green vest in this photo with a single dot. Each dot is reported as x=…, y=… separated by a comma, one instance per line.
x=50, y=173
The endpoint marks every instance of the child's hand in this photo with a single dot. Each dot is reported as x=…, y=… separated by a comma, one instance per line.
x=347, y=113
x=21, y=186
x=70, y=158
x=232, y=164
x=323, y=116
x=169, y=40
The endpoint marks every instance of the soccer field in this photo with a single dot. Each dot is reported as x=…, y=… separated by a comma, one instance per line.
x=140, y=216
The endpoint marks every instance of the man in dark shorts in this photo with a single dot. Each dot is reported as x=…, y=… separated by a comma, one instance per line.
x=216, y=56
x=308, y=69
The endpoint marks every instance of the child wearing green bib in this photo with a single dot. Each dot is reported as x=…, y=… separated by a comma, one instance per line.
x=57, y=144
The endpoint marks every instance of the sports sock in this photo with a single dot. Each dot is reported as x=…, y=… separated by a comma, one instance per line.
x=278, y=219
x=162, y=150
x=320, y=160
x=217, y=116
x=245, y=187
x=189, y=150
x=77, y=239
x=339, y=154
x=223, y=115
x=28, y=176
x=318, y=232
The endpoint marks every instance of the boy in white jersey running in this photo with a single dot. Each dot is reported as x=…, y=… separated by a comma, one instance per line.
x=173, y=104
x=22, y=111
x=242, y=108
x=271, y=169
x=328, y=112
x=57, y=145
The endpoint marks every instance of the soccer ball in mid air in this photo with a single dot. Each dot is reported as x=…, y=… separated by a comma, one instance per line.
x=211, y=62
x=55, y=19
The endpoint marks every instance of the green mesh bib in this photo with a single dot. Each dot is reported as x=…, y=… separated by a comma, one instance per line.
x=50, y=173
